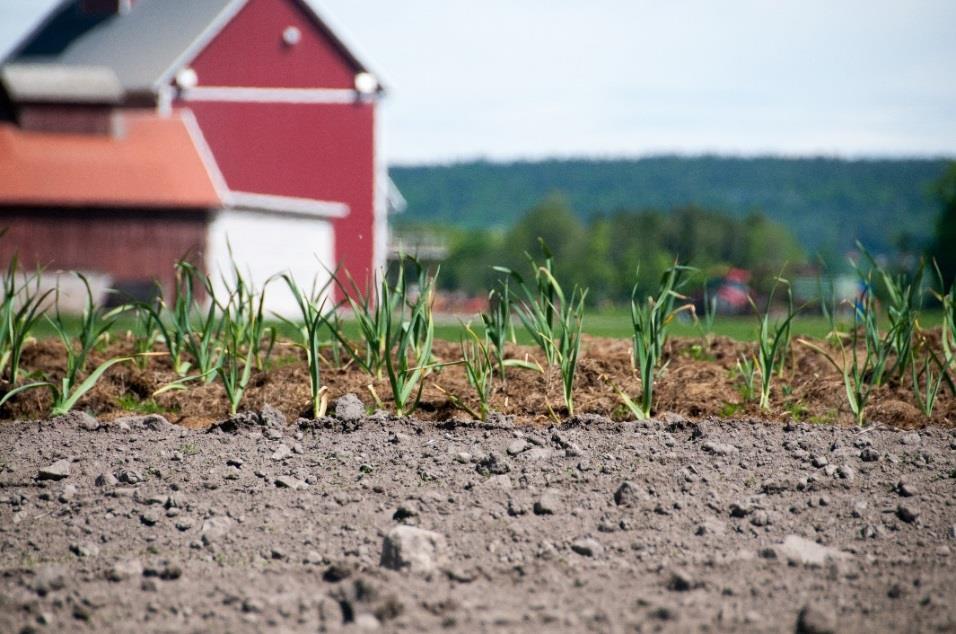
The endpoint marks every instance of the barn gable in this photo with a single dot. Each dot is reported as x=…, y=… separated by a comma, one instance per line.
x=277, y=44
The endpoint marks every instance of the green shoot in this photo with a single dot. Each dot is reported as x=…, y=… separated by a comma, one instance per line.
x=747, y=370
x=22, y=307
x=540, y=304
x=497, y=322
x=310, y=310
x=568, y=345
x=650, y=321
x=93, y=325
x=773, y=342
x=412, y=337
x=926, y=383
x=479, y=370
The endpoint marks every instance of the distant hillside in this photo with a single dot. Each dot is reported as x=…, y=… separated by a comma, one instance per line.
x=828, y=203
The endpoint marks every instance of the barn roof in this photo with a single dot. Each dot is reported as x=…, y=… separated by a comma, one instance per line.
x=155, y=163
x=144, y=46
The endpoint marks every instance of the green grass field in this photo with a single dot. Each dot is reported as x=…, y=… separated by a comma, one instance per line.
x=605, y=323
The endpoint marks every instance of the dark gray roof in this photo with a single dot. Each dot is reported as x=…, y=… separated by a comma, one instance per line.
x=141, y=47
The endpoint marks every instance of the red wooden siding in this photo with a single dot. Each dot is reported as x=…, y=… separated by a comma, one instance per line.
x=250, y=52
x=318, y=151
x=128, y=245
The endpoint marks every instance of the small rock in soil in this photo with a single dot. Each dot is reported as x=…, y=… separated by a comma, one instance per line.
x=907, y=512
x=413, y=549
x=799, y=550
x=587, y=547
x=719, y=449
x=815, y=619
x=123, y=570
x=492, y=465
x=56, y=471
x=76, y=418
x=106, y=480
x=282, y=452
x=741, y=508
x=517, y=446
x=681, y=581
x=906, y=489
x=215, y=528
x=627, y=494
x=85, y=550
x=548, y=504
x=846, y=472
x=349, y=408
x=869, y=455
x=288, y=482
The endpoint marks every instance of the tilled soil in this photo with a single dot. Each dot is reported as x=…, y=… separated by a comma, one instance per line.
x=402, y=525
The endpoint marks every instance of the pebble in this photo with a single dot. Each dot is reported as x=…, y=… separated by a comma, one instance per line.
x=587, y=547
x=627, y=494
x=820, y=461
x=85, y=550
x=106, y=480
x=741, y=509
x=69, y=492
x=681, y=581
x=288, y=482
x=216, y=528
x=719, y=449
x=282, y=452
x=412, y=549
x=548, y=504
x=127, y=569
x=517, y=446
x=815, y=619
x=846, y=472
x=907, y=512
x=760, y=518
x=149, y=519
x=56, y=471
x=906, y=489
x=869, y=455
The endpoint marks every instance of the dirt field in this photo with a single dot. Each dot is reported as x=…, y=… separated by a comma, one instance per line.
x=699, y=379
x=363, y=523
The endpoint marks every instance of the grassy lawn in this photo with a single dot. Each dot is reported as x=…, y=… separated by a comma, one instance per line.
x=605, y=323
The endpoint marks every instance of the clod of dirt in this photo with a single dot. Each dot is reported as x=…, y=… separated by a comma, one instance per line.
x=150, y=422
x=413, y=549
x=56, y=471
x=76, y=418
x=349, y=408
x=816, y=620
x=627, y=495
x=798, y=550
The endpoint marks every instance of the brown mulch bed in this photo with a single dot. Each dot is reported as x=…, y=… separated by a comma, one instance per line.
x=698, y=379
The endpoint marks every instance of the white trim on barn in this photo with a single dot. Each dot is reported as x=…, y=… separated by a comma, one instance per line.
x=265, y=245
x=205, y=153
x=238, y=94
x=289, y=205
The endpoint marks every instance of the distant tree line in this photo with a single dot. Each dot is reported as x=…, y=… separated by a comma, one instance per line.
x=609, y=253
x=828, y=204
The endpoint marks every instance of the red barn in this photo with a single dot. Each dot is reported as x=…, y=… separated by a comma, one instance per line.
x=133, y=131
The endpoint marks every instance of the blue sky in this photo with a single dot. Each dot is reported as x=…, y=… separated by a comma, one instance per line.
x=505, y=79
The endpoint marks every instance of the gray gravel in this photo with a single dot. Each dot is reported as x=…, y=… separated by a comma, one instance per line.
x=400, y=525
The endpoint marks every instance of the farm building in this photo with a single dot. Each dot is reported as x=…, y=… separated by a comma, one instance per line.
x=133, y=132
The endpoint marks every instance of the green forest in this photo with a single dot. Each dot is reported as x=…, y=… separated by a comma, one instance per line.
x=828, y=204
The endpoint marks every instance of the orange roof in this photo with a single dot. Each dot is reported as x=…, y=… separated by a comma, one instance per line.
x=155, y=163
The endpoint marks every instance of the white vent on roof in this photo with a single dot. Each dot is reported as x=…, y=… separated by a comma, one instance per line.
x=187, y=78
x=366, y=83
x=291, y=36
